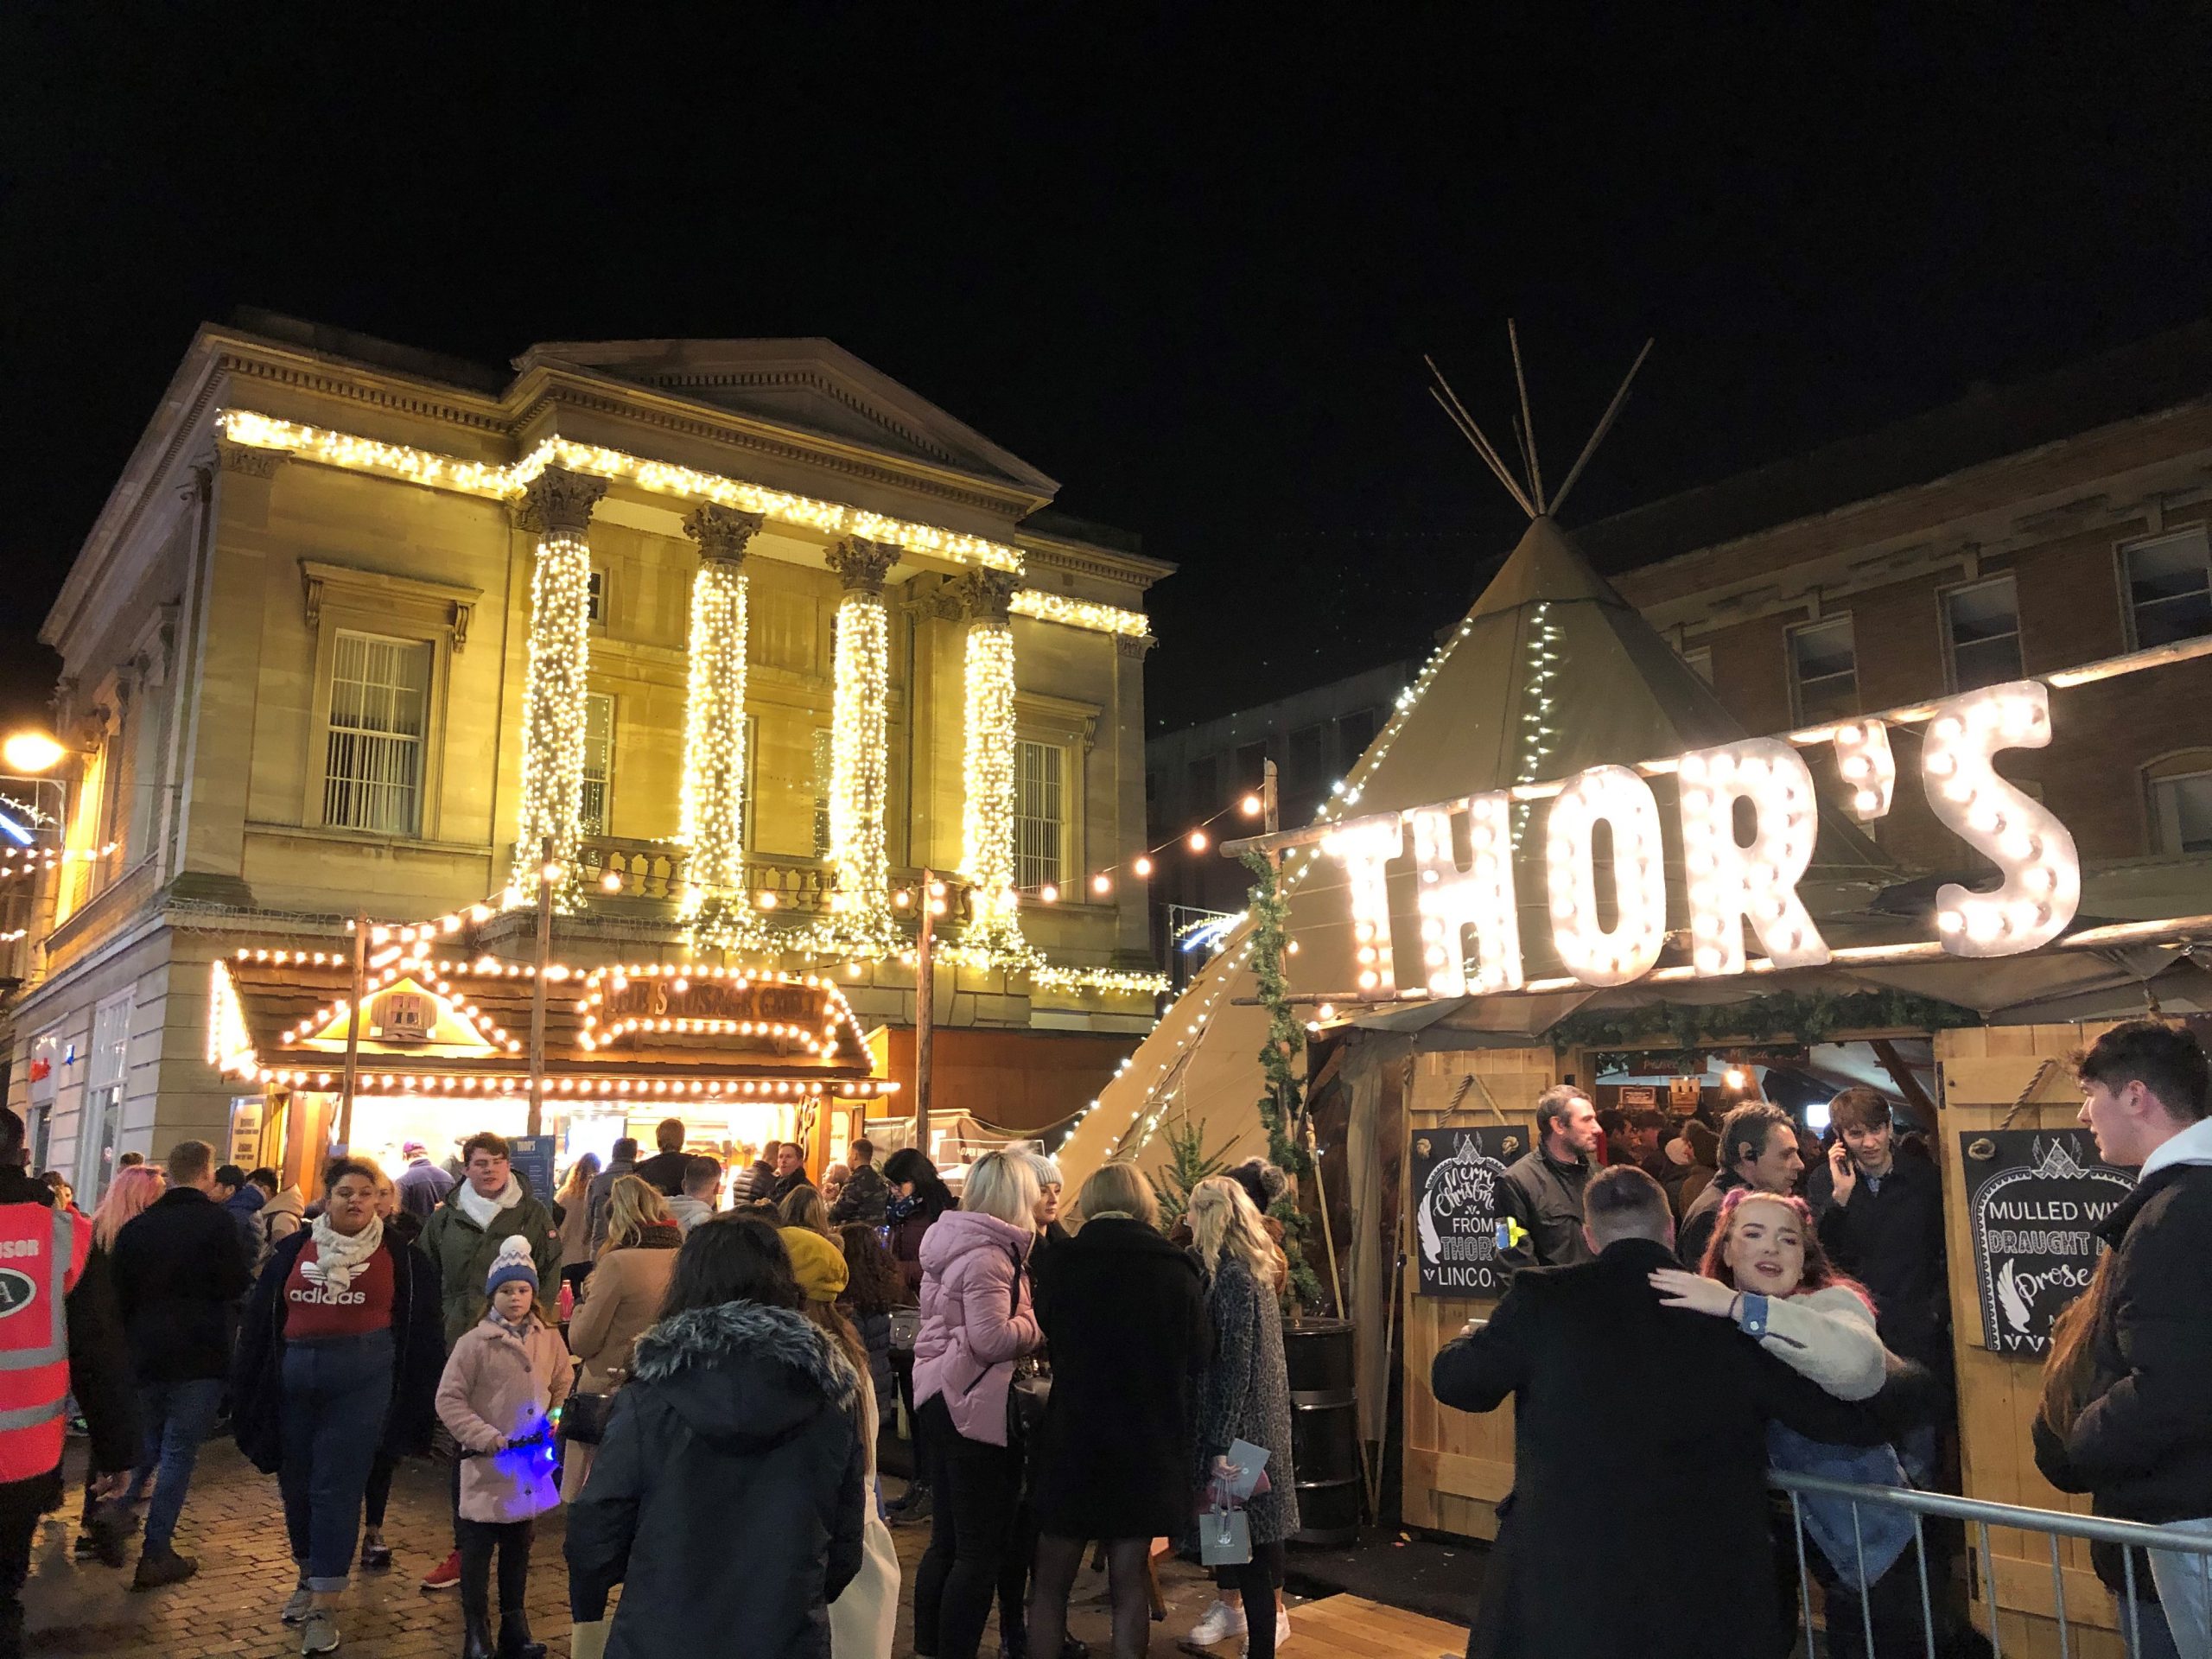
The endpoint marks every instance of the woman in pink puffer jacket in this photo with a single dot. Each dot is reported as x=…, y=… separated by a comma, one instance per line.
x=976, y=1321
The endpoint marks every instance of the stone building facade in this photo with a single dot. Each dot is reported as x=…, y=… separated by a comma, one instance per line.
x=359, y=628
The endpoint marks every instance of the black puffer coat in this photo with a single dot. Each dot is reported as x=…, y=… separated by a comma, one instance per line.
x=728, y=1495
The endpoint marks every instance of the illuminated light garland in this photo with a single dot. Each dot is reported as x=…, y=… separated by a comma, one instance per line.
x=712, y=824
x=987, y=805
x=2042, y=885
x=1081, y=614
x=557, y=510
x=858, y=750
x=1130, y=982
x=230, y=1043
x=1730, y=883
x=1868, y=768
x=1595, y=954
x=1538, y=735
x=1453, y=901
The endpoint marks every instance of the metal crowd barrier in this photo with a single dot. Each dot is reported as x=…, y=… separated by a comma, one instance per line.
x=2055, y=1524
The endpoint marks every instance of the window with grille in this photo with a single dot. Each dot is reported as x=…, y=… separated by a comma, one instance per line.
x=595, y=598
x=599, y=764
x=379, y=706
x=1040, y=815
x=2169, y=588
x=1824, y=670
x=1981, y=624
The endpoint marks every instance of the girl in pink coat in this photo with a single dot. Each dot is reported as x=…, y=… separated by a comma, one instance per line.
x=503, y=1381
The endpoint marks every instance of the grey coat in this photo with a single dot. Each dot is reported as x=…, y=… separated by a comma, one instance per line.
x=1245, y=1394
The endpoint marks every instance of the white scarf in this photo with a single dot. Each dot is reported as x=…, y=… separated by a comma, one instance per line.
x=479, y=1209
x=338, y=1258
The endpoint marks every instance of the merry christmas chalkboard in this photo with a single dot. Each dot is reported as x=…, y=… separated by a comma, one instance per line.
x=1457, y=1171
x=2033, y=1197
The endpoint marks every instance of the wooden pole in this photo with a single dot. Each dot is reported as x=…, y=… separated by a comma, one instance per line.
x=538, y=988
x=356, y=996
x=1270, y=812
x=925, y=997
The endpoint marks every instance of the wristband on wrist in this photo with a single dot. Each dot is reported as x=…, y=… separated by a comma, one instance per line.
x=1751, y=1316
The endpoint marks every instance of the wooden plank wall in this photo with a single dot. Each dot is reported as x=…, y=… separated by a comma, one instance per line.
x=1458, y=1466
x=1985, y=1071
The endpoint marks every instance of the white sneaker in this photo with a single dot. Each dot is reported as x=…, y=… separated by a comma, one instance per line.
x=300, y=1604
x=319, y=1634
x=1221, y=1622
x=1282, y=1634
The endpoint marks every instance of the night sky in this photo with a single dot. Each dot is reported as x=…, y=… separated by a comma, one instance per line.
x=1188, y=270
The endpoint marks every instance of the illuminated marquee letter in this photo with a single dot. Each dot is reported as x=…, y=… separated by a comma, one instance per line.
x=1594, y=955
x=1452, y=899
x=2042, y=885
x=1731, y=883
x=1863, y=757
x=1365, y=845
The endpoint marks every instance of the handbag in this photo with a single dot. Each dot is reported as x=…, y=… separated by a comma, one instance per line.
x=1028, y=1388
x=583, y=1413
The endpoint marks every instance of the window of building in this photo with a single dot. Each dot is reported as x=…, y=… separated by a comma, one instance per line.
x=1699, y=659
x=100, y=1132
x=2169, y=587
x=1306, y=760
x=592, y=808
x=1824, y=670
x=825, y=746
x=1202, y=786
x=380, y=703
x=1355, y=731
x=1040, y=815
x=595, y=598
x=1251, y=765
x=1981, y=628
x=2181, y=802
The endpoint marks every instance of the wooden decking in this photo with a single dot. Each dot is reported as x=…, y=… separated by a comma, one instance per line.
x=1351, y=1627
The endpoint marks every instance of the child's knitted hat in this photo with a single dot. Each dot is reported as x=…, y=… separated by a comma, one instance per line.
x=511, y=1263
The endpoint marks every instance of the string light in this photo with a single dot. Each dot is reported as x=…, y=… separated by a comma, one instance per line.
x=1596, y=955
x=1198, y=841
x=1452, y=899
x=1731, y=883
x=557, y=508
x=1081, y=614
x=987, y=799
x=713, y=797
x=2042, y=884
x=859, y=756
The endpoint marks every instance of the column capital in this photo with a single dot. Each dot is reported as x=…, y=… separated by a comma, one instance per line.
x=986, y=595
x=722, y=532
x=558, y=502
x=247, y=460
x=862, y=564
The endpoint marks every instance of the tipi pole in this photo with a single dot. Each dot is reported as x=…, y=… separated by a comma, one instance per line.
x=1528, y=420
x=1604, y=425
x=1466, y=422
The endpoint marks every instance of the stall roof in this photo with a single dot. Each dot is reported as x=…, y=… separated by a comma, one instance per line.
x=655, y=1030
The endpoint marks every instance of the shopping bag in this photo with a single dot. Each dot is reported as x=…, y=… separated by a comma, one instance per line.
x=1224, y=1538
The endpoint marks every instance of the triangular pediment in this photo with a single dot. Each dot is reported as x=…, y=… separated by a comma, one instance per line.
x=407, y=1017
x=810, y=385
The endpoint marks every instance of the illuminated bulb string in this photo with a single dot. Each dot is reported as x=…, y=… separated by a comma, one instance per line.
x=987, y=811
x=553, y=709
x=713, y=752
x=859, y=763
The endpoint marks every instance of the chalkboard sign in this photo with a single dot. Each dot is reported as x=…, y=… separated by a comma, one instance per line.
x=2033, y=1197
x=530, y=1156
x=1457, y=1171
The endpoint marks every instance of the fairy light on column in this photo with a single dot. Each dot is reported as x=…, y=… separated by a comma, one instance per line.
x=556, y=508
x=987, y=800
x=1453, y=899
x=859, y=756
x=1731, y=883
x=1867, y=767
x=713, y=824
x=1365, y=845
x=2042, y=884
x=1594, y=954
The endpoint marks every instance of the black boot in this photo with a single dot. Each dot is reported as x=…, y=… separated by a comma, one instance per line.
x=514, y=1636
x=475, y=1616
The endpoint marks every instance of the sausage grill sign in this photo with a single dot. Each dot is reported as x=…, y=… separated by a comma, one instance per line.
x=2034, y=1199
x=1458, y=1177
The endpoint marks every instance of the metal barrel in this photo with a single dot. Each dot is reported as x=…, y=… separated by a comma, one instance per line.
x=1318, y=1357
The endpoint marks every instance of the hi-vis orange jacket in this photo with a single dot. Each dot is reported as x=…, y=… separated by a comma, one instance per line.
x=42, y=1253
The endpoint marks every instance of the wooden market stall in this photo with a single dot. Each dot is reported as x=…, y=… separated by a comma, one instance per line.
x=739, y=1056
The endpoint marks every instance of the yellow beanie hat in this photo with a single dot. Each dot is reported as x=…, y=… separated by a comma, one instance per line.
x=818, y=1264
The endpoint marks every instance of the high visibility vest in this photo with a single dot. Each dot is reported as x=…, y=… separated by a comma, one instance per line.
x=42, y=1253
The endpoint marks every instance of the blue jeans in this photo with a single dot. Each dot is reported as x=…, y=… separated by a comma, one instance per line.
x=337, y=1393
x=173, y=1418
x=2185, y=1592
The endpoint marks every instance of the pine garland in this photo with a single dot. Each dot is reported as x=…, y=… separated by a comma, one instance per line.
x=1781, y=1019
x=1280, y=1103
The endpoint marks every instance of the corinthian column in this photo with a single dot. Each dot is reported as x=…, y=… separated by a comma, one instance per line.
x=714, y=717
x=555, y=508
x=987, y=804
x=858, y=758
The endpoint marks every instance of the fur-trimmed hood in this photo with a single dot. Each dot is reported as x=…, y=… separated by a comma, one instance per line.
x=743, y=1375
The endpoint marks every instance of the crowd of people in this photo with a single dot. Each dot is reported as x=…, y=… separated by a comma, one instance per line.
x=698, y=1362
x=1829, y=1264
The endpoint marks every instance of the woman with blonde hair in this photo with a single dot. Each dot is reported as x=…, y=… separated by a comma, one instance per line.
x=976, y=1321
x=803, y=1207
x=574, y=1202
x=1124, y=1313
x=621, y=1298
x=1244, y=1394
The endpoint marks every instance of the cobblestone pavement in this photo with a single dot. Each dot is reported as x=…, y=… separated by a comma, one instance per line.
x=233, y=1525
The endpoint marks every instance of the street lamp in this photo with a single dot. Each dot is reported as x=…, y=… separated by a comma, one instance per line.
x=31, y=752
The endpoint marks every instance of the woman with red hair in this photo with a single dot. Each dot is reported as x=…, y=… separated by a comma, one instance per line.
x=1765, y=1270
